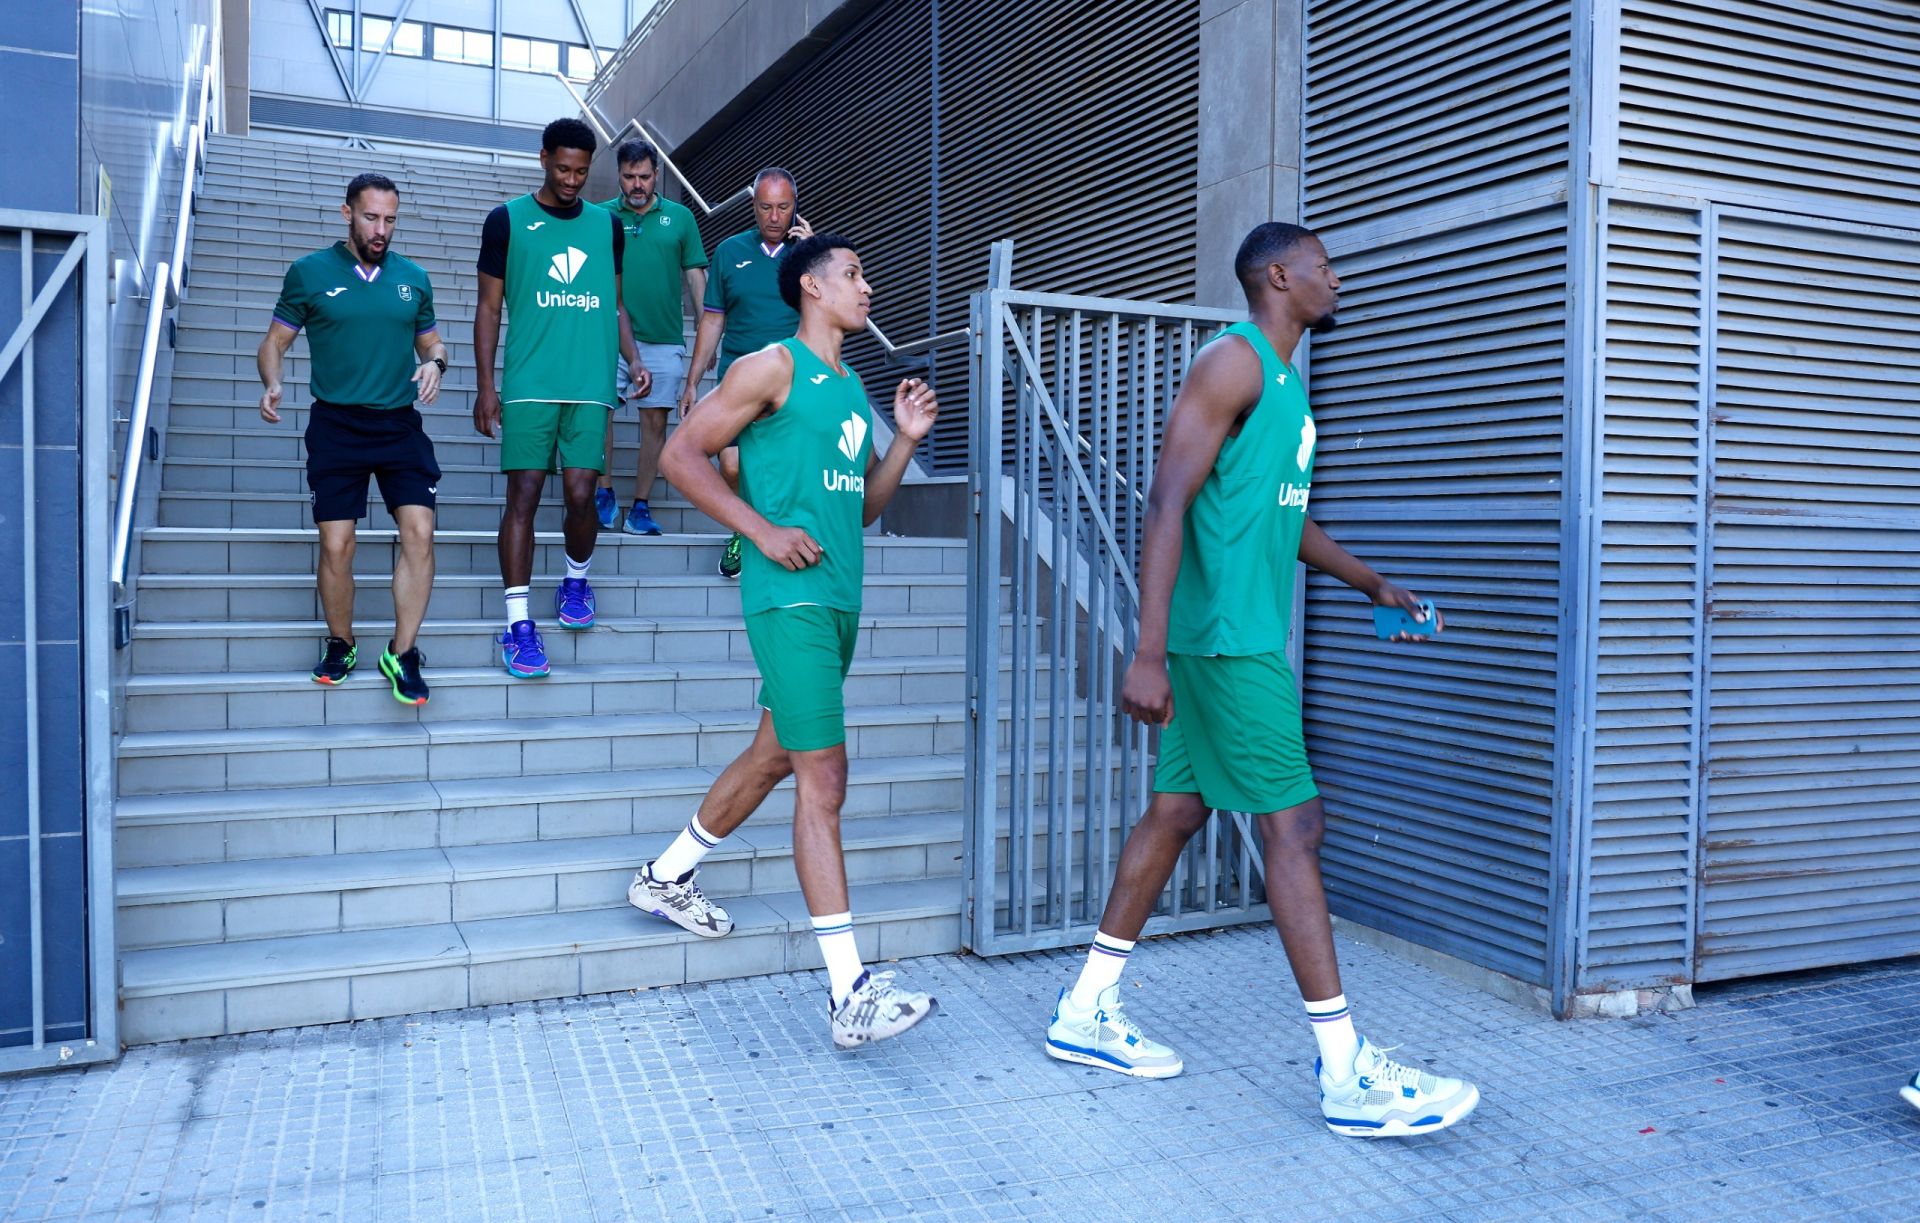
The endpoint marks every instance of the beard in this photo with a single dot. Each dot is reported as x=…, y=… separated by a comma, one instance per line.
x=366, y=254
x=1326, y=322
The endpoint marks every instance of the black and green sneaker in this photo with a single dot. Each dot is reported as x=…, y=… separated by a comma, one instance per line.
x=336, y=661
x=409, y=687
x=730, y=559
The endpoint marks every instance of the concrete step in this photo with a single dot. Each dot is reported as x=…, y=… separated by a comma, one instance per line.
x=161, y=647
x=222, y=550
x=509, y=749
x=370, y=817
x=241, y=597
x=291, y=510
x=448, y=421
x=484, y=479
x=249, y=700
x=211, y=989
x=234, y=902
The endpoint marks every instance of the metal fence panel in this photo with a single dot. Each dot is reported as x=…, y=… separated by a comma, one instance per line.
x=1070, y=397
x=1811, y=850
x=56, y=820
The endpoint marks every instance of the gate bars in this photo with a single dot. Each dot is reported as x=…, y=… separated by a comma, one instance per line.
x=1069, y=398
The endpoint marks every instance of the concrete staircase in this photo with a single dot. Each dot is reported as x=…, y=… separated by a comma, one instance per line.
x=291, y=854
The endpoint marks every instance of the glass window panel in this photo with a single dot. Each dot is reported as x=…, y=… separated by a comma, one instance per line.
x=580, y=65
x=411, y=41
x=546, y=56
x=340, y=28
x=479, y=47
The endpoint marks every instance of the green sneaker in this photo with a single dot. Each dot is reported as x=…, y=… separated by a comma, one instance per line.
x=336, y=661
x=730, y=559
x=409, y=687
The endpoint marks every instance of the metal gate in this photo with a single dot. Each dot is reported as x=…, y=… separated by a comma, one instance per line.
x=1069, y=396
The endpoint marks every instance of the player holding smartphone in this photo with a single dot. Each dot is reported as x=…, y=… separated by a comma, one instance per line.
x=1226, y=518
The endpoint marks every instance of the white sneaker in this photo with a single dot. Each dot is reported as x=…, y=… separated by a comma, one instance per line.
x=1102, y=1035
x=1911, y=1092
x=877, y=1009
x=1384, y=1099
x=681, y=902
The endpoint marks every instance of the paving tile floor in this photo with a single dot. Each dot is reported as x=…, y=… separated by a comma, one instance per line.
x=726, y=1102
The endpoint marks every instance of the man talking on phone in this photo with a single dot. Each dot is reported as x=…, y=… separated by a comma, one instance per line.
x=1226, y=519
x=743, y=310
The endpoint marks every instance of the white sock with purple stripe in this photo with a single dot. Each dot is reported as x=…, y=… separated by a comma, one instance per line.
x=693, y=844
x=835, y=932
x=1106, y=960
x=1333, y=1029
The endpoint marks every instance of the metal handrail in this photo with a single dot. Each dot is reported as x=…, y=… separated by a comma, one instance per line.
x=164, y=288
x=600, y=125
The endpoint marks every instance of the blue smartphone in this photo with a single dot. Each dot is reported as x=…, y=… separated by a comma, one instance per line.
x=1390, y=620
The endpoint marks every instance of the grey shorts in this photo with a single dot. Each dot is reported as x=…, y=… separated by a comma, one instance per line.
x=668, y=365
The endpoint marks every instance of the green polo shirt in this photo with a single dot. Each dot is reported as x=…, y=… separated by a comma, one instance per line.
x=745, y=283
x=662, y=243
x=360, y=325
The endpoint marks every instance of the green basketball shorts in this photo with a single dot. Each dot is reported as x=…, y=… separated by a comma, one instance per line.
x=531, y=432
x=803, y=654
x=1236, y=738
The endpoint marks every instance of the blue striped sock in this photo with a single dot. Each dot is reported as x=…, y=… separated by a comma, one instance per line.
x=1106, y=960
x=1333, y=1032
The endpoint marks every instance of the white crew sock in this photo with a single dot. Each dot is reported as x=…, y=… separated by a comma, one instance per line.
x=1106, y=958
x=517, y=605
x=693, y=844
x=835, y=932
x=577, y=569
x=1333, y=1029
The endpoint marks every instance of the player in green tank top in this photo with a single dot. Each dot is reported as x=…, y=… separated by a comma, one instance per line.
x=810, y=485
x=1226, y=520
x=552, y=261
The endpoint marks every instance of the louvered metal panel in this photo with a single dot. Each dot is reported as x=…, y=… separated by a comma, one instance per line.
x=1440, y=406
x=1814, y=98
x=1812, y=840
x=1413, y=104
x=935, y=127
x=1645, y=786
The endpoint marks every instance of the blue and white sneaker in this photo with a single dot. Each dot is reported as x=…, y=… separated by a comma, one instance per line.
x=1911, y=1092
x=1102, y=1035
x=522, y=652
x=640, y=520
x=1384, y=1099
x=573, y=603
x=606, y=506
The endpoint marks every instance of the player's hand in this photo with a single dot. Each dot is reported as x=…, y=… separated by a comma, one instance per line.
x=789, y=547
x=641, y=377
x=1146, y=695
x=914, y=409
x=1390, y=595
x=270, y=405
x=427, y=378
x=689, y=395
x=799, y=229
x=486, y=412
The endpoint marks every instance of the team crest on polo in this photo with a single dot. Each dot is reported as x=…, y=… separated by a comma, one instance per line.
x=406, y=293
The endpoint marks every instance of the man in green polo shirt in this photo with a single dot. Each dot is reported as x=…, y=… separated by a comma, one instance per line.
x=552, y=260
x=743, y=309
x=374, y=348
x=663, y=255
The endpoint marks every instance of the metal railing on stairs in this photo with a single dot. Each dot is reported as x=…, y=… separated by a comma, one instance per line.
x=165, y=286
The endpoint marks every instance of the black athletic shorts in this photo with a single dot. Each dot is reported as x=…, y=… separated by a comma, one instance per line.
x=347, y=444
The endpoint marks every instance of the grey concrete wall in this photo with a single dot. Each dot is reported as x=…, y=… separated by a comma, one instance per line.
x=1250, y=113
x=703, y=60
x=236, y=39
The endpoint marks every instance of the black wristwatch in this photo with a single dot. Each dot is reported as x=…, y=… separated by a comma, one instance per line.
x=441, y=362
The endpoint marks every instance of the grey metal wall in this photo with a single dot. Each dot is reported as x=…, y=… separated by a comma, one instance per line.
x=932, y=128
x=1755, y=741
x=1437, y=154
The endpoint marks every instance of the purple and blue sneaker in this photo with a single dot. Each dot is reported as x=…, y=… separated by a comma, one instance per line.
x=573, y=603
x=522, y=652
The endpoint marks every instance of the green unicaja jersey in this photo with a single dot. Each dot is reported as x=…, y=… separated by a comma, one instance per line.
x=563, y=329
x=1241, y=536
x=361, y=325
x=806, y=466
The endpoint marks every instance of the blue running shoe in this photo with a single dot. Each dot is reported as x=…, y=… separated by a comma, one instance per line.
x=573, y=604
x=640, y=520
x=522, y=652
x=606, y=507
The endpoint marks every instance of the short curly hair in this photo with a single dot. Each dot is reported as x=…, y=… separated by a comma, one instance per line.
x=804, y=259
